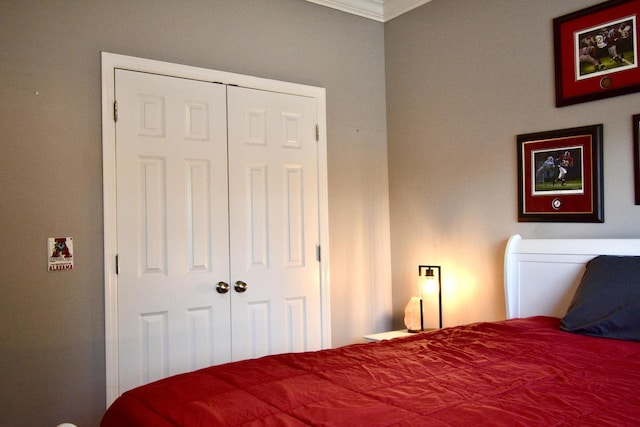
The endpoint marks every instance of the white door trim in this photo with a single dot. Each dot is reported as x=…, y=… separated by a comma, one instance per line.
x=110, y=62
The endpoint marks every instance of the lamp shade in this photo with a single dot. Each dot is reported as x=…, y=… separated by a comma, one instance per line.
x=428, y=285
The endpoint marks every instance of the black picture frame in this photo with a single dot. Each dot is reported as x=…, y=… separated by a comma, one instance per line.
x=592, y=58
x=560, y=175
x=635, y=123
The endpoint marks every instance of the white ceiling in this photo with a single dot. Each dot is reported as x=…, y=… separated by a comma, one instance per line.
x=378, y=10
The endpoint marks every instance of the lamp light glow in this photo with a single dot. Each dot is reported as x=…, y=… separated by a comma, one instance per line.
x=428, y=284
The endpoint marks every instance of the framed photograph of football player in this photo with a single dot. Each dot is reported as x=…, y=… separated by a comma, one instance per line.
x=596, y=52
x=635, y=120
x=560, y=175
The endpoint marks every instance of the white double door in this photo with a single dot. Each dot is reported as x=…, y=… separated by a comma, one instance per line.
x=217, y=225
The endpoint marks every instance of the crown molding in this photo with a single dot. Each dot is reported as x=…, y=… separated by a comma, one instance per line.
x=394, y=8
x=378, y=10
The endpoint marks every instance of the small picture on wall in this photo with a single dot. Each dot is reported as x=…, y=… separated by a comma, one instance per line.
x=596, y=52
x=60, y=253
x=560, y=175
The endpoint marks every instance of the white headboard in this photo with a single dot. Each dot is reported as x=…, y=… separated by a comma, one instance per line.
x=541, y=275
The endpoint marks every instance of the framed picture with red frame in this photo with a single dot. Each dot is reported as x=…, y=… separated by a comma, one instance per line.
x=560, y=175
x=596, y=52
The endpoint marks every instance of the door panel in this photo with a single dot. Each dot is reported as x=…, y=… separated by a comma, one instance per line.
x=213, y=184
x=273, y=190
x=172, y=226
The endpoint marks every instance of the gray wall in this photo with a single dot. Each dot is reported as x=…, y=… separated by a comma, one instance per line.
x=464, y=77
x=52, y=324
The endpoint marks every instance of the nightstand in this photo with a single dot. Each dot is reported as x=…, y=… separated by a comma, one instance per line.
x=389, y=335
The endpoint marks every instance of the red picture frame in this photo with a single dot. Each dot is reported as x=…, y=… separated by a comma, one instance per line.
x=560, y=175
x=596, y=52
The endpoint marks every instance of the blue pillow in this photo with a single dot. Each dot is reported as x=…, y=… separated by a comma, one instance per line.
x=607, y=301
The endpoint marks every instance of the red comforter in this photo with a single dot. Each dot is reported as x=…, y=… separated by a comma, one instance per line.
x=517, y=372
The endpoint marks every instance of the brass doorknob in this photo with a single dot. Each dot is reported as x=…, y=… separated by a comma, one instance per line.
x=240, y=286
x=222, y=287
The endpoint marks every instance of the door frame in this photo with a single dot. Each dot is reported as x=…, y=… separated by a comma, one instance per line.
x=109, y=63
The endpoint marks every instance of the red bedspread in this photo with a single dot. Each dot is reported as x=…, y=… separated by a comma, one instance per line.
x=517, y=372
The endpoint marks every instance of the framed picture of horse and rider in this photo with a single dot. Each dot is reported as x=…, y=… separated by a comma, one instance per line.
x=560, y=175
x=596, y=52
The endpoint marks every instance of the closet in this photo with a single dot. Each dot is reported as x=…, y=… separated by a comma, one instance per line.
x=218, y=221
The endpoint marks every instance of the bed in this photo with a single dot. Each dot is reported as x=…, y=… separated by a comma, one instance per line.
x=567, y=354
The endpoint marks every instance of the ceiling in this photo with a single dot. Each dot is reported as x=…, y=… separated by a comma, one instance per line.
x=378, y=10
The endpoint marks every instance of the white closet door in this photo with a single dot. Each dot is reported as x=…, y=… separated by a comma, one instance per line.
x=273, y=193
x=172, y=226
